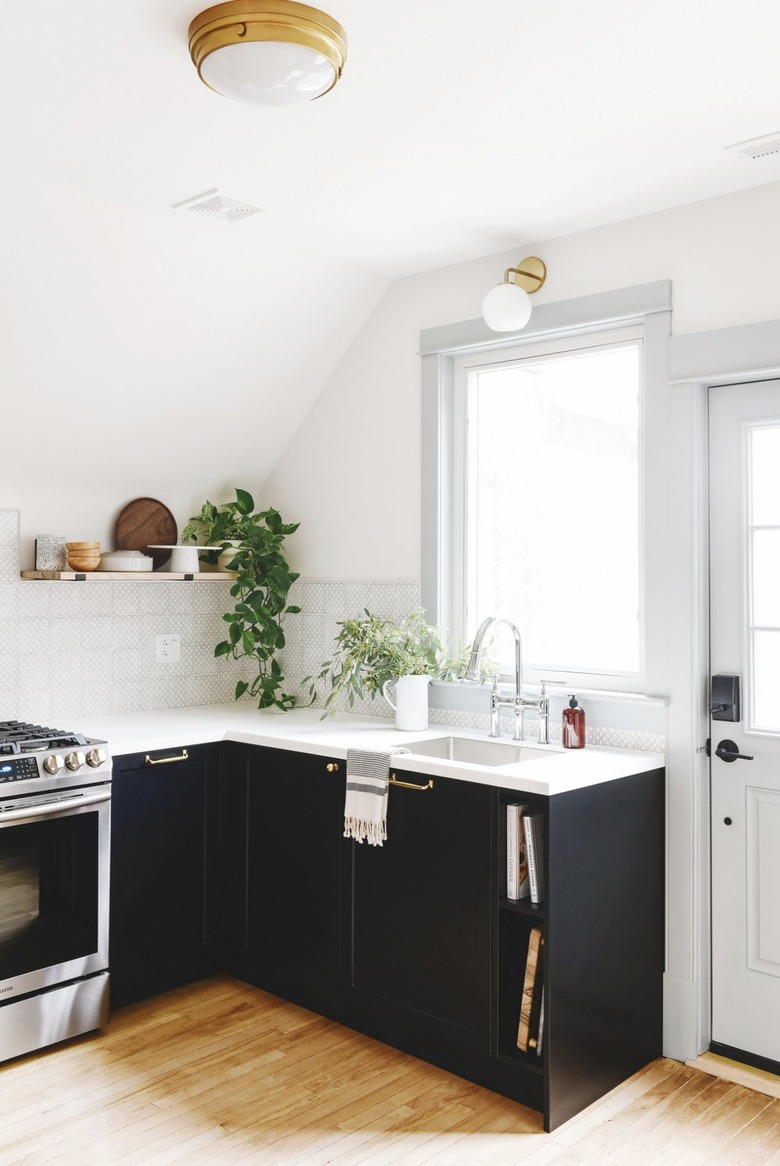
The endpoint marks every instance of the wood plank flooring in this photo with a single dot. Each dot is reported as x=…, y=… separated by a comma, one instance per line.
x=221, y=1073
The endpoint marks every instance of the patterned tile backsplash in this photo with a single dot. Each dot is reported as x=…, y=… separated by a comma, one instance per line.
x=88, y=649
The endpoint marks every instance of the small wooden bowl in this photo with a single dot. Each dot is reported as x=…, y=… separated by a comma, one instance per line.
x=83, y=557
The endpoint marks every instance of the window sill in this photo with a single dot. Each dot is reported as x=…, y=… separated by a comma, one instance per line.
x=618, y=710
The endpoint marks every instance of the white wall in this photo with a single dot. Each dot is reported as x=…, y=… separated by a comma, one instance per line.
x=360, y=443
x=152, y=354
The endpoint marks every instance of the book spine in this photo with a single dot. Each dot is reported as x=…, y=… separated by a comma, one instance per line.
x=533, y=856
x=512, y=850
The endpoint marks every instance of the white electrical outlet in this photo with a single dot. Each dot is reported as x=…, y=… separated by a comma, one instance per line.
x=168, y=649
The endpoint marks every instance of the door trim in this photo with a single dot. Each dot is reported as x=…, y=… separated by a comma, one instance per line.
x=698, y=362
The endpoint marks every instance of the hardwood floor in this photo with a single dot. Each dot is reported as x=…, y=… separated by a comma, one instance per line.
x=221, y=1073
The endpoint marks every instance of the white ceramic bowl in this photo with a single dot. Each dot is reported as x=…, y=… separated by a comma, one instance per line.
x=184, y=560
x=125, y=561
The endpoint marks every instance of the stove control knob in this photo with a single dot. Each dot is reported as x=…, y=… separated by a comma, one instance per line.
x=75, y=760
x=96, y=757
x=53, y=763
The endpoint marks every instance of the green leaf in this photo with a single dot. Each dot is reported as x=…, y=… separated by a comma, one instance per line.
x=241, y=688
x=244, y=502
x=248, y=642
x=222, y=649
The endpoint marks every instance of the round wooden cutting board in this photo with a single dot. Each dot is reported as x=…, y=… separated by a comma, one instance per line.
x=142, y=523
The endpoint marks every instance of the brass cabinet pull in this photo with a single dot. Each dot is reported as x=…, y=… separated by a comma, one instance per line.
x=183, y=756
x=332, y=767
x=410, y=784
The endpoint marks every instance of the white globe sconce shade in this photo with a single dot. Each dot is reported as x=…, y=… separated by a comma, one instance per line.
x=267, y=52
x=507, y=307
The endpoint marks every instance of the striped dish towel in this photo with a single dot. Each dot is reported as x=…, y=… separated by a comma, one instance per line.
x=365, y=806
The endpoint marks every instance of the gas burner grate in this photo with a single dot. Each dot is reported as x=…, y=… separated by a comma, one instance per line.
x=22, y=737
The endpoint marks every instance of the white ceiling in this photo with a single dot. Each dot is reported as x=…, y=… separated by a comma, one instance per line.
x=458, y=130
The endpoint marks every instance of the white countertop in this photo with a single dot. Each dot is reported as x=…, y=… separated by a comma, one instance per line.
x=303, y=731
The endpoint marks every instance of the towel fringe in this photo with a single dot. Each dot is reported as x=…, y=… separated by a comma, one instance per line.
x=374, y=833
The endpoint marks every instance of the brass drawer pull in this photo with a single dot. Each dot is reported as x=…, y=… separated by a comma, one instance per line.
x=332, y=767
x=183, y=756
x=410, y=784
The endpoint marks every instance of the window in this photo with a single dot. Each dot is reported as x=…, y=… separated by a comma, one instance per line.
x=545, y=492
x=547, y=479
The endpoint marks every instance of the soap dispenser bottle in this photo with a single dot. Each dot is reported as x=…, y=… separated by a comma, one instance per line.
x=573, y=729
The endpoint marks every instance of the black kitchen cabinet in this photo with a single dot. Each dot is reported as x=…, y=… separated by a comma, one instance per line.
x=163, y=867
x=414, y=943
x=281, y=858
x=420, y=911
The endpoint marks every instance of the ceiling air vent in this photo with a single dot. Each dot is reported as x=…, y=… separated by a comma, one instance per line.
x=213, y=205
x=755, y=148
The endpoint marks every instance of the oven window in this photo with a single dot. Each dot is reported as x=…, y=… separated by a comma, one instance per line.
x=48, y=893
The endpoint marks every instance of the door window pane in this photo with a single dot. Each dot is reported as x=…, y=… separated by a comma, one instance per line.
x=764, y=567
x=765, y=475
x=766, y=578
x=766, y=669
x=553, y=506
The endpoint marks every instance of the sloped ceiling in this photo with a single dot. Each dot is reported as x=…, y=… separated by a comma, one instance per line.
x=457, y=131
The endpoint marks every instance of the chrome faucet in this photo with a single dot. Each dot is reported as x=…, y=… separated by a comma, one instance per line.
x=517, y=702
x=544, y=713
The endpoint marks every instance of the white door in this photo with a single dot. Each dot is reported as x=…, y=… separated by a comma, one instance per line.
x=745, y=642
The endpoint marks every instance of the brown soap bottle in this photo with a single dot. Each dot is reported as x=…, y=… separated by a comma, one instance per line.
x=573, y=729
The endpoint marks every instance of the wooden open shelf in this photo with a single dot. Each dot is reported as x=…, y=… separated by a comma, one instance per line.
x=131, y=576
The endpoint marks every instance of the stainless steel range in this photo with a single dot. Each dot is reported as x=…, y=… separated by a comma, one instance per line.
x=55, y=805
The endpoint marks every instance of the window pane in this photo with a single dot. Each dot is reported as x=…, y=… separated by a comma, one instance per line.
x=766, y=578
x=765, y=475
x=553, y=493
x=766, y=669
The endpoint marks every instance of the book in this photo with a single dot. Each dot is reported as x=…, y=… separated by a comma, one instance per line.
x=517, y=885
x=537, y=1041
x=531, y=978
x=532, y=831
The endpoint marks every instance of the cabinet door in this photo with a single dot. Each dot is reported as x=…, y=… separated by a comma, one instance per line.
x=163, y=863
x=282, y=844
x=421, y=916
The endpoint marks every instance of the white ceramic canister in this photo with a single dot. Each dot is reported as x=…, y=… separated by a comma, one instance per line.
x=410, y=703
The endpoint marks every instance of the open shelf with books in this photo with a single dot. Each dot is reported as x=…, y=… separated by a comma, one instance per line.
x=579, y=973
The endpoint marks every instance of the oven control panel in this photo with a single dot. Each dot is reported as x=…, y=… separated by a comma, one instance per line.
x=18, y=768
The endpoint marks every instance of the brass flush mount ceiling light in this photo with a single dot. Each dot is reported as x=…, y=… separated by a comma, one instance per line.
x=267, y=52
x=507, y=307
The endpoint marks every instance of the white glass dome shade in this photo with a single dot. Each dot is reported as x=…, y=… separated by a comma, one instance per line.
x=268, y=52
x=506, y=308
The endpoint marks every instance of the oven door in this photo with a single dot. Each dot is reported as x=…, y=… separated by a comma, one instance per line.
x=54, y=871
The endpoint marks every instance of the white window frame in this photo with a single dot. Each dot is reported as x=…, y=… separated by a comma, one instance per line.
x=646, y=310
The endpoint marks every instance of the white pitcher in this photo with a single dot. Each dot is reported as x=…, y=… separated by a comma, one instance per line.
x=411, y=701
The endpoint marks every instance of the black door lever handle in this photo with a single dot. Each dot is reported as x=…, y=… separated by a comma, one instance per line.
x=728, y=751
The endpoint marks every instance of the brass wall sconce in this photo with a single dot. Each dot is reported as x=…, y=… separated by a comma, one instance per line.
x=507, y=307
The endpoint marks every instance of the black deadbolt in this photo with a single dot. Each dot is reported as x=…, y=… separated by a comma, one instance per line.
x=728, y=751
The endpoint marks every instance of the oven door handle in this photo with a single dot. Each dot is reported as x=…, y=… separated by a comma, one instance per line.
x=56, y=806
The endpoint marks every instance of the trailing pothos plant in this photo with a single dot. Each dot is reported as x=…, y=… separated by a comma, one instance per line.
x=261, y=588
